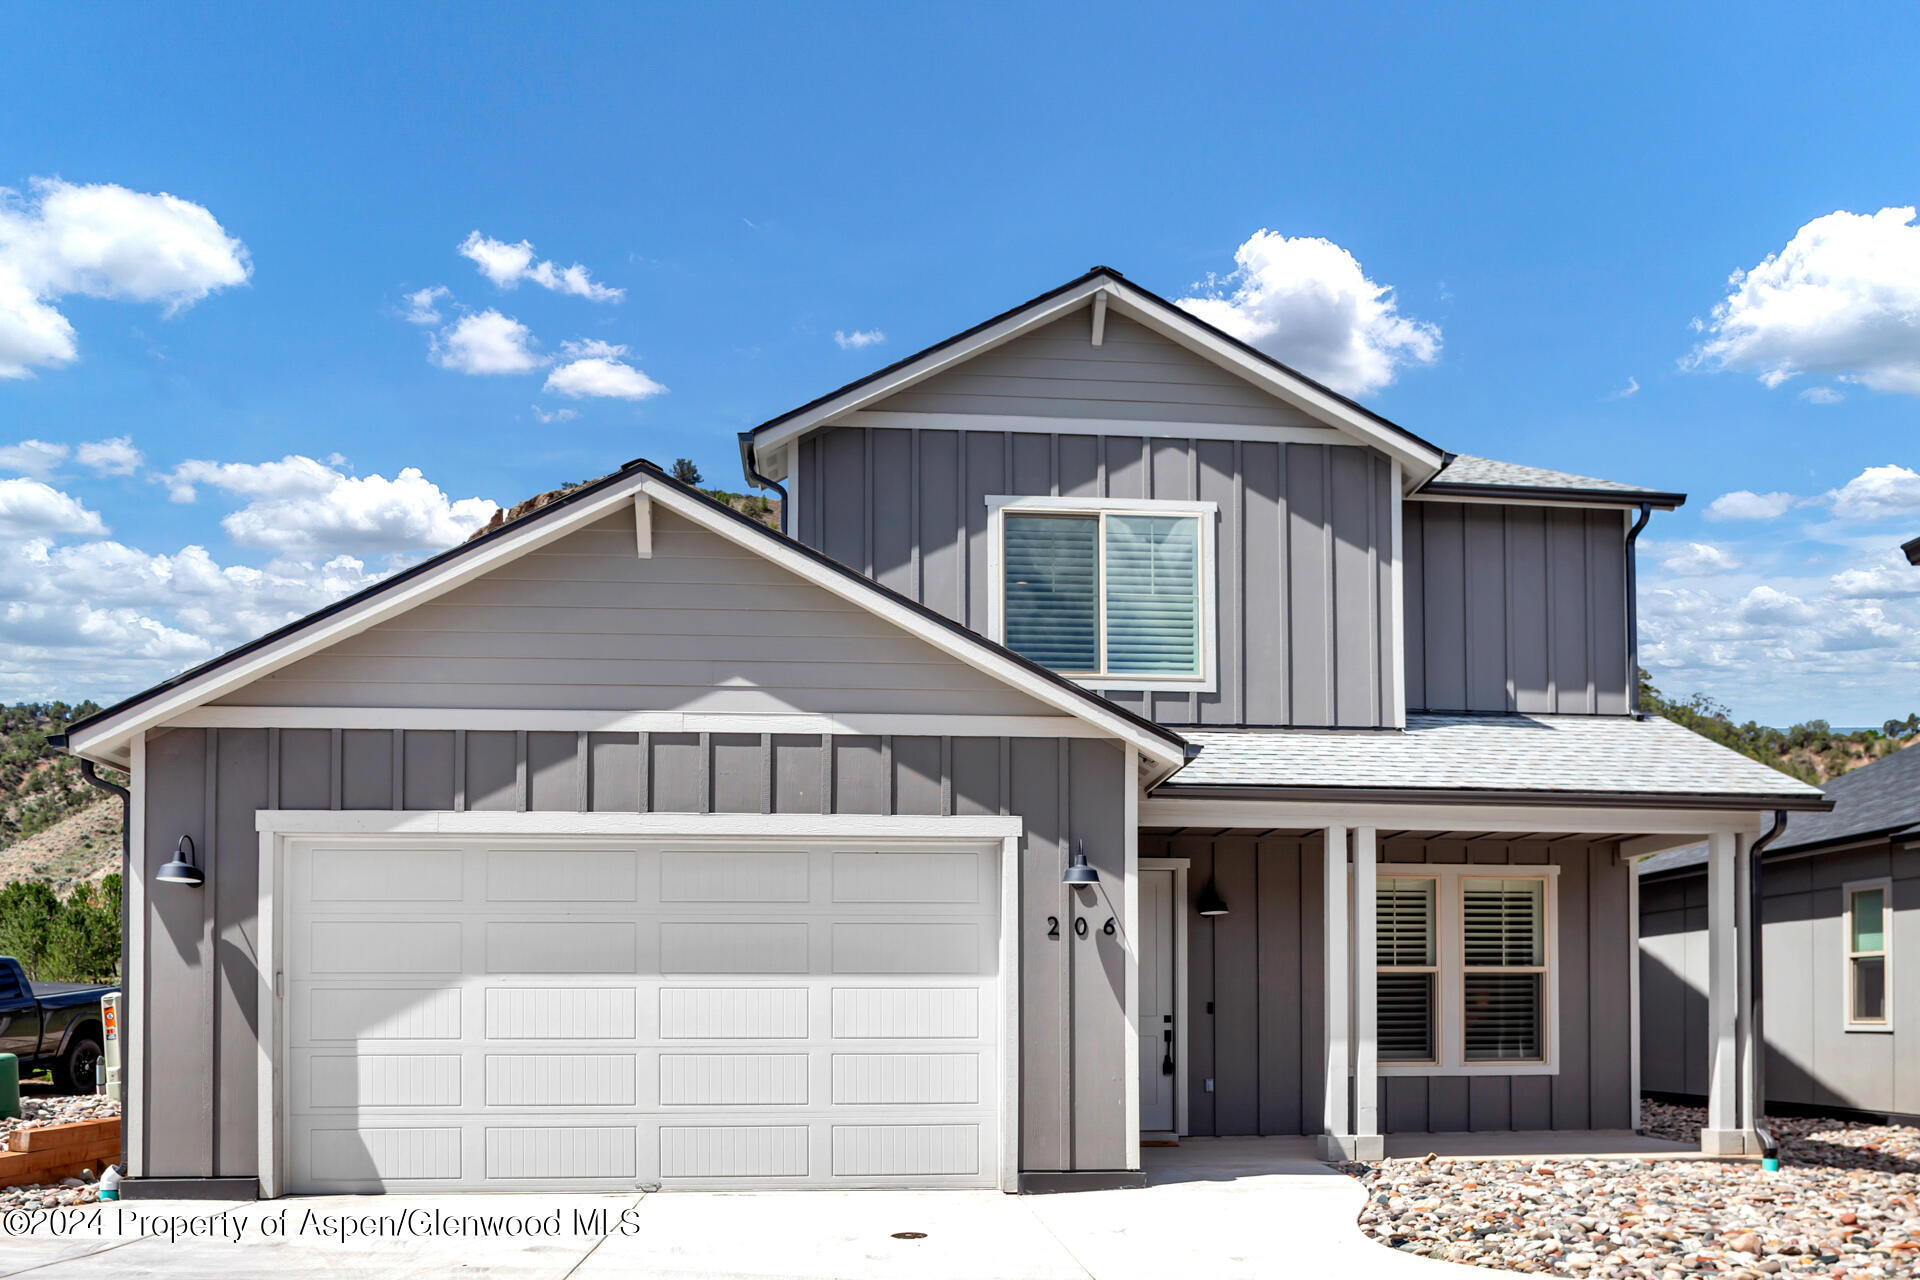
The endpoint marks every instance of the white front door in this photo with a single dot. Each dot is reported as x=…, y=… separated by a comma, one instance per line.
x=578, y=1014
x=1158, y=1041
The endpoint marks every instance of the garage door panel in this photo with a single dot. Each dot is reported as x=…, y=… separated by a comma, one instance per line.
x=805, y=1016
x=733, y=946
x=562, y=875
x=373, y=1014
x=734, y=1151
x=885, y=946
x=733, y=1079
x=735, y=875
x=562, y=1079
x=733, y=1013
x=575, y=946
x=386, y=875
x=385, y=946
x=383, y=1080
x=569, y=1153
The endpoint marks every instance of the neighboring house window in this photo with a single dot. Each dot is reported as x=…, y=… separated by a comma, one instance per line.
x=1116, y=594
x=1408, y=968
x=1869, y=938
x=1464, y=971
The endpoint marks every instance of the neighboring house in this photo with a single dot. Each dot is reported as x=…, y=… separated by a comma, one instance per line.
x=1842, y=975
x=635, y=843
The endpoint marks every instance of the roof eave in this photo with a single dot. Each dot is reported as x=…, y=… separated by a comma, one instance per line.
x=1913, y=551
x=1544, y=493
x=1720, y=802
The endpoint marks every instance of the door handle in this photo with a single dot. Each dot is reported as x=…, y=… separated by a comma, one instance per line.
x=1166, y=1061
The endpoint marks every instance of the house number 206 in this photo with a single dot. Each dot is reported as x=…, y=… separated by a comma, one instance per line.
x=1079, y=927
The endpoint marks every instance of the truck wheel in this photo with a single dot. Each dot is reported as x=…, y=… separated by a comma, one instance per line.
x=73, y=1071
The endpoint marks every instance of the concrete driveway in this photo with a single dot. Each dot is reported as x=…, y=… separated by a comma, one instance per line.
x=1248, y=1207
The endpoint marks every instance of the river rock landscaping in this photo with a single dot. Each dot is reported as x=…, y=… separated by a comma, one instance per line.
x=1846, y=1202
x=37, y=1112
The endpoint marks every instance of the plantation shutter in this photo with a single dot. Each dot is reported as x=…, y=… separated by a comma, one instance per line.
x=1052, y=590
x=1404, y=931
x=1153, y=595
x=1503, y=929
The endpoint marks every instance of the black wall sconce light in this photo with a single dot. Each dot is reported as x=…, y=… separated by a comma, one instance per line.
x=1080, y=873
x=182, y=869
x=1210, y=903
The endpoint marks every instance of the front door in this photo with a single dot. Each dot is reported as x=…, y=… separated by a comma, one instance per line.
x=1157, y=1040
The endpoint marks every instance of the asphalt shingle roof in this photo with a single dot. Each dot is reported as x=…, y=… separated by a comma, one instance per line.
x=1498, y=753
x=1881, y=797
x=1466, y=472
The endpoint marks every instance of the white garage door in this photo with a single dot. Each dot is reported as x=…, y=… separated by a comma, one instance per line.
x=570, y=1016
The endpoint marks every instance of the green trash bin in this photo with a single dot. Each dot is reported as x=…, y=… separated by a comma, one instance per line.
x=9, y=1087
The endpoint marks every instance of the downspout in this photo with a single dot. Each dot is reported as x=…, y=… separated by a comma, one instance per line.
x=1769, y=1149
x=759, y=481
x=1633, y=610
x=126, y=867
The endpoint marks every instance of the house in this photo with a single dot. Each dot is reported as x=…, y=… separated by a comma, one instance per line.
x=1842, y=967
x=1129, y=736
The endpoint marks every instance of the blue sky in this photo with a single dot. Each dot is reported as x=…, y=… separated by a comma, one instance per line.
x=1553, y=200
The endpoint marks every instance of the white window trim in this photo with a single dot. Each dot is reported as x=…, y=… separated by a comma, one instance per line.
x=1208, y=513
x=1885, y=885
x=1449, y=985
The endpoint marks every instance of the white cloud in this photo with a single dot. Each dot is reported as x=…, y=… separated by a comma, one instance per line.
x=1878, y=492
x=114, y=456
x=36, y=458
x=1842, y=299
x=558, y=415
x=508, y=264
x=31, y=509
x=858, y=338
x=423, y=305
x=1305, y=301
x=486, y=342
x=1631, y=389
x=1891, y=577
x=1821, y=395
x=100, y=241
x=1745, y=504
x=302, y=507
x=594, y=368
x=1693, y=559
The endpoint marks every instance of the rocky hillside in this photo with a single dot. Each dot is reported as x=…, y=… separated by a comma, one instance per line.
x=53, y=825
x=81, y=846
x=1812, y=751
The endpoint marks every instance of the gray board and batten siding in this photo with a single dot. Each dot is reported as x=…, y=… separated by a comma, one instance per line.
x=1305, y=565
x=584, y=623
x=200, y=1078
x=1813, y=1061
x=1516, y=608
x=1256, y=989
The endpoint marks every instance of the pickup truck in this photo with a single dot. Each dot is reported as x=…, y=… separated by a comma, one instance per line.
x=54, y=1026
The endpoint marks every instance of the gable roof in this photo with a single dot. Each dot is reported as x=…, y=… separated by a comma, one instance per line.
x=105, y=734
x=1468, y=477
x=1421, y=457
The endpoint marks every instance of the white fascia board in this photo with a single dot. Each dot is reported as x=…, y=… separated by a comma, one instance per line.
x=974, y=653
x=1487, y=500
x=1565, y=820
x=1421, y=462
x=107, y=741
x=857, y=724
x=468, y=822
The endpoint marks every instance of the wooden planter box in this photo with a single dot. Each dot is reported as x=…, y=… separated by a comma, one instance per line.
x=57, y=1151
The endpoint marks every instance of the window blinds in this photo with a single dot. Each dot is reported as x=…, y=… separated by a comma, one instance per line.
x=1503, y=928
x=1053, y=580
x=1153, y=595
x=1404, y=932
x=1065, y=574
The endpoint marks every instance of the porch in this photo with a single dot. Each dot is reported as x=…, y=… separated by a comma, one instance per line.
x=1386, y=980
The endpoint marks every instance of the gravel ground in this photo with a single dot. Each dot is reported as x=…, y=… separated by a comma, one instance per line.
x=1846, y=1202
x=45, y=1109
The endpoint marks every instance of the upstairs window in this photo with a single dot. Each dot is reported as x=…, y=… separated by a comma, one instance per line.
x=1115, y=594
x=1868, y=936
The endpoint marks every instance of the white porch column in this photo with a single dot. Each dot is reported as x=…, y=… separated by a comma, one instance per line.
x=1749, y=1106
x=1723, y=1134
x=1337, y=1126
x=1367, y=1141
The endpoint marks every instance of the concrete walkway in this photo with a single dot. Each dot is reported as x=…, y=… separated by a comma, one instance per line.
x=1218, y=1207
